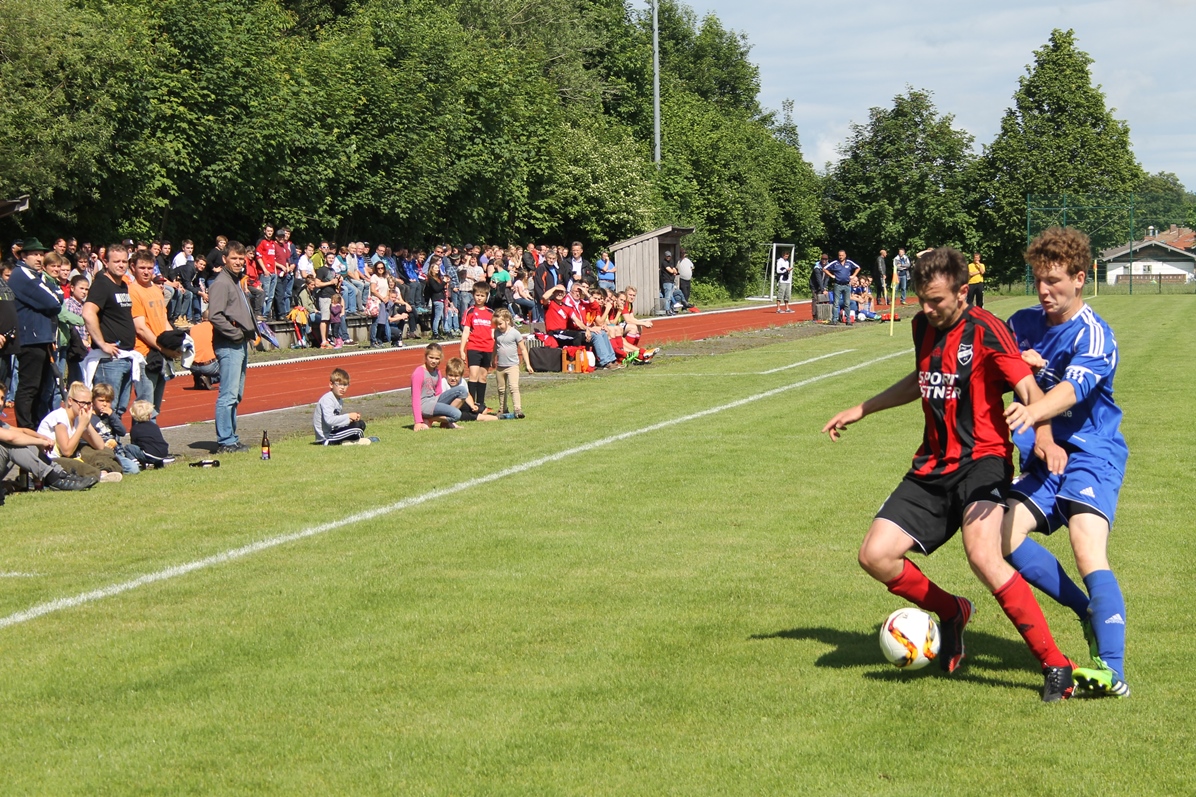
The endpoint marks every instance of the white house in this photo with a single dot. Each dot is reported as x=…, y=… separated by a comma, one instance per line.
x=1152, y=260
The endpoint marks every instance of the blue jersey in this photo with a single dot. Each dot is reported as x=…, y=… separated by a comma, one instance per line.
x=1082, y=351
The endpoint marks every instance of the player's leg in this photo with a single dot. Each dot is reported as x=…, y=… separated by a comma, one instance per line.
x=982, y=543
x=982, y=518
x=1089, y=539
x=1036, y=564
x=915, y=515
x=883, y=556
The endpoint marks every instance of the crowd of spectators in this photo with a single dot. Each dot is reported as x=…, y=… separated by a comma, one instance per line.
x=89, y=333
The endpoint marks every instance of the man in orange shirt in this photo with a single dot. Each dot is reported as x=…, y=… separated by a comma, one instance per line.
x=150, y=321
x=204, y=367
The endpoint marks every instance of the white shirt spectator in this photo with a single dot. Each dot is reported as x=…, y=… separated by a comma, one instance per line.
x=784, y=270
x=685, y=269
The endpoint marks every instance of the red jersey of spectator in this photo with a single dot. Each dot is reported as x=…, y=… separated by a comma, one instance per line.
x=267, y=255
x=480, y=321
x=556, y=316
x=963, y=374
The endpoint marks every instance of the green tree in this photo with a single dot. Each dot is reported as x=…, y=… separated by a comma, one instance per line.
x=1160, y=201
x=902, y=181
x=62, y=71
x=1058, y=138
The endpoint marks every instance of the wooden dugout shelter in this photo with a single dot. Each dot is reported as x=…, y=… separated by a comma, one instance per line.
x=637, y=261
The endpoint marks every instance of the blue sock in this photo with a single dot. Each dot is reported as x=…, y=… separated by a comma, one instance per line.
x=1108, y=618
x=1040, y=567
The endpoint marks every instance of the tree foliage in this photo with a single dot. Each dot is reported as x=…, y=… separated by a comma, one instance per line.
x=902, y=181
x=1059, y=137
x=401, y=120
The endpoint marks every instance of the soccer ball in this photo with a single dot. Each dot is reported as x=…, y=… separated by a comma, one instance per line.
x=909, y=639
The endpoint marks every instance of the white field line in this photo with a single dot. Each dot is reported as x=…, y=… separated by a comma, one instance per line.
x=19, y=575
x=60, y=604
x=542, y=375
x=754, y=373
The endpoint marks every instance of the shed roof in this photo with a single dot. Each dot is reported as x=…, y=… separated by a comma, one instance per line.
x=659, y=232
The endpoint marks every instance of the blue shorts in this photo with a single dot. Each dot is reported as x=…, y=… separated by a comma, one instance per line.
x=1088, y=484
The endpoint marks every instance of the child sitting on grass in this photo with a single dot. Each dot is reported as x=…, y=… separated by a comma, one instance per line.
x=333, y=425
x=102, y=421
x=456, y=393
x=426, y=387
x=509, y=350
x=146, y=437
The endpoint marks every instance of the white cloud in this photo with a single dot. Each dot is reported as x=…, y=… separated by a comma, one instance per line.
x=837, y=60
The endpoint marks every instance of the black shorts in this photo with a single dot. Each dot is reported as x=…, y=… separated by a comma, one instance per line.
x=480, y=359
x=930, y=510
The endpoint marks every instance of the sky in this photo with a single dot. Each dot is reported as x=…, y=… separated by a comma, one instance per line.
x=836, y=60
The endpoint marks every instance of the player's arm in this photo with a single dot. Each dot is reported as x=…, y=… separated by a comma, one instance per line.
x=902, y=392
x=1056, y=401
x=1045, y=447
x=465, y=330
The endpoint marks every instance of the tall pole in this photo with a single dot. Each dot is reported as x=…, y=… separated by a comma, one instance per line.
x=656, y=78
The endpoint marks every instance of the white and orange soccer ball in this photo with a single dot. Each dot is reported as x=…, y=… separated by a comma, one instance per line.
x=910, y=639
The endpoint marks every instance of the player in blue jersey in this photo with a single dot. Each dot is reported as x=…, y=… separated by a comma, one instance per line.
x=1073, y=354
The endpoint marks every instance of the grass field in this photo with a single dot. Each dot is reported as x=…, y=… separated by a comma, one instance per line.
x=677, y=611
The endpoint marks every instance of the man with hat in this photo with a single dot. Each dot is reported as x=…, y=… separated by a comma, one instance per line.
x=39, y=301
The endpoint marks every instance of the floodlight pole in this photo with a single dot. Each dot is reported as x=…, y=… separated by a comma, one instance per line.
x=656, y=77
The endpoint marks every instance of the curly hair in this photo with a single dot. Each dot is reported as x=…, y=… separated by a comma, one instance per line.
x=941, y=262
x=1056, y=246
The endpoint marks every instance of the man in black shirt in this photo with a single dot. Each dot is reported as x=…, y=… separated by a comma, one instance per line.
x=215, y=257
x=325, y=286
x=109, y=318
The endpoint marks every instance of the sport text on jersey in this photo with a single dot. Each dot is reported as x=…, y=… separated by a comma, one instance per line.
x=937, y=385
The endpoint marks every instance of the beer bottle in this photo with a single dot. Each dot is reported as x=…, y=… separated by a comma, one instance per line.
x=265, y=445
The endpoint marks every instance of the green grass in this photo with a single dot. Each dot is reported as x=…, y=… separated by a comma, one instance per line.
x=676, y=613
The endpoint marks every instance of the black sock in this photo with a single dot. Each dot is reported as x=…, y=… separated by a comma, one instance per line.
x=481, y=399
x=473, y=391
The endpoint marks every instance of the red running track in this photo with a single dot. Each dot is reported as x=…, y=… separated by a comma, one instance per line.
x=293, y=383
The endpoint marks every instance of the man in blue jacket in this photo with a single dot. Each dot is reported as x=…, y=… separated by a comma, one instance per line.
x=840, y=273
x=38, y=305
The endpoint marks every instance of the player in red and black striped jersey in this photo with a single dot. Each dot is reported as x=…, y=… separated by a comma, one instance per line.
x=966, y=361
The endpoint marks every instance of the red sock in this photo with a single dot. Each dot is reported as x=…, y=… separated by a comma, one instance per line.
x=915, y=587
x=1020, y=606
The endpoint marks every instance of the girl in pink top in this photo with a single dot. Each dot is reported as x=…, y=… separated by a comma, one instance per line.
x=425, y=392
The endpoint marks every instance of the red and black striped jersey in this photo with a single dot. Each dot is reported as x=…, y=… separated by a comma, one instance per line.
x=964, y=373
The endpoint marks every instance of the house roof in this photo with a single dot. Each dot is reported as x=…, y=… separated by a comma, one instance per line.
x=1181, y=237
x=1168, y=251
x=660, y=232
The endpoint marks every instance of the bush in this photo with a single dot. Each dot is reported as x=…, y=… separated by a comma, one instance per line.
x=702, y=292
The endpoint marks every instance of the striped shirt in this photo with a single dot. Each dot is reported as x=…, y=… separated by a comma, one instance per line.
x=963, y=374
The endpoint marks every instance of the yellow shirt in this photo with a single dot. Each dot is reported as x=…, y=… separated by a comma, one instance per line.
x=975, y=273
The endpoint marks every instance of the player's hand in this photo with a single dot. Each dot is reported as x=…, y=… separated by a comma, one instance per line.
x=1053, y=455
x=110, y=445
x=1034, y=360
x=419, y=427
x=355, y=416
x=1019, y=417
x=841, y=421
